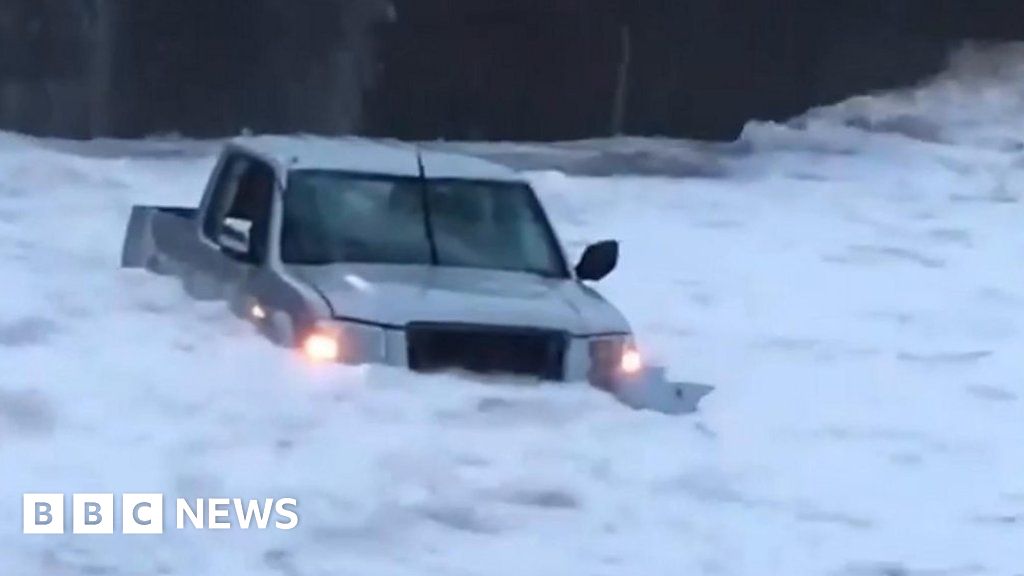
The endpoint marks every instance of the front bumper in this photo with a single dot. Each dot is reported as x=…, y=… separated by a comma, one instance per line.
x=651, y=390
x=594, y=359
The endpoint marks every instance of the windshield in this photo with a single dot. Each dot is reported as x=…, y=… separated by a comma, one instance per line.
x=332, y=217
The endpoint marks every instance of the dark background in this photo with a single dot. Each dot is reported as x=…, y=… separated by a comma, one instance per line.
x=463, y=69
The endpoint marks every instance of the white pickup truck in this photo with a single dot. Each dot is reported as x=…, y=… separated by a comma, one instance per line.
x=363, y=252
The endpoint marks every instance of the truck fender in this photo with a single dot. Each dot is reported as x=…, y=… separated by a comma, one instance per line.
x=281, y=329
x=201, y=286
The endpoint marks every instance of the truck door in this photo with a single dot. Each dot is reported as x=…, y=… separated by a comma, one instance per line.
x=236, y=225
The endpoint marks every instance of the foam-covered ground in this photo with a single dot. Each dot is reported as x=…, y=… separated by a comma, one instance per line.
x=851, y=281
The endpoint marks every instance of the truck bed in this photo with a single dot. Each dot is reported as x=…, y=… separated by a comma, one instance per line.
x=151, y=230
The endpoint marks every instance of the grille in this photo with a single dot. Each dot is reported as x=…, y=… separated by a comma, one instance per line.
x=487, y=350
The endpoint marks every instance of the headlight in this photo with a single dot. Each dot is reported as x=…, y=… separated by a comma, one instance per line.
x=322, y=347
x=257, y=312
x=348, y=342
x=612, y=357
x=631, y=362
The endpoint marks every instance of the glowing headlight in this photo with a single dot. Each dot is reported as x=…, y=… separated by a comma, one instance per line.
x=348, y=342
x=631, y=361
x=322, y=347
x=614, y=356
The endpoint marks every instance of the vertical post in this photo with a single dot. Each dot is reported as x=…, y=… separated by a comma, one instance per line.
x=622, y=81
x=101, y=67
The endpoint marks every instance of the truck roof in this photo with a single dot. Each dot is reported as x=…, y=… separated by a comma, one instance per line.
x=370, y=157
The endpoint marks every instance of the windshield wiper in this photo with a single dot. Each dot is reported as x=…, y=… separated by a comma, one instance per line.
x=428, y=224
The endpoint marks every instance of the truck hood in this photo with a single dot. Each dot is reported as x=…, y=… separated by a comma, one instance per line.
x=396, y=295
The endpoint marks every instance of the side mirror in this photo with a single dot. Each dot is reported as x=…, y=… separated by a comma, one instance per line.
x=234, y=238
x=598, y=260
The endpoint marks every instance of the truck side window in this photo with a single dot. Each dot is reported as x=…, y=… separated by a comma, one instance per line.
x=252, y=204
x=224, y=192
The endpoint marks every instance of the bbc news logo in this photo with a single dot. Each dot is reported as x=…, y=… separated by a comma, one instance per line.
x=144, y=514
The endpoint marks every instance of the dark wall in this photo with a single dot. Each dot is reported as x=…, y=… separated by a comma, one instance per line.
x=697, y=68
x=197, y=67
x=42, y=64
x=463, y=69
x=508, y=70
x=216, y=67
